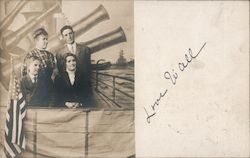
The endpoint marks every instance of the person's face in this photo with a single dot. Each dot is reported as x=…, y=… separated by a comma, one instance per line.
x=70, y=63
x=33, y=67
x=68, y=36
x=41, y=42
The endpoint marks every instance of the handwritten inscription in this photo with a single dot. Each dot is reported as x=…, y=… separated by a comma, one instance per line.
x=172, y=76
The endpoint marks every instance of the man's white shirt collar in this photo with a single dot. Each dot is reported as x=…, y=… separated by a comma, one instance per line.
x=72, y=47
x=32, y=77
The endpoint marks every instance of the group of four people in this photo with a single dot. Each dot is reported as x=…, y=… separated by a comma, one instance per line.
x=61, y=80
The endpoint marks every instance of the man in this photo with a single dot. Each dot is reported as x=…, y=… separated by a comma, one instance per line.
x=47, y=59
x=82, y=53
x=33, y=86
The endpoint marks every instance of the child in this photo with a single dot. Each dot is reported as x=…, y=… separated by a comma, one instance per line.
x=35, y=87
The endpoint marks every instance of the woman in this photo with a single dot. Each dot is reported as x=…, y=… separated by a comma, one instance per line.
x=47, y=58
x=71, y=86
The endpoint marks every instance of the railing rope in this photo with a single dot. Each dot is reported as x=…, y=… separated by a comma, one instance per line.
x=116, y=89
x=112, y=86
x=120, y=77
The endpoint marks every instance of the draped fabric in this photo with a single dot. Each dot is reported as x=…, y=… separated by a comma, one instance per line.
x=70, y=133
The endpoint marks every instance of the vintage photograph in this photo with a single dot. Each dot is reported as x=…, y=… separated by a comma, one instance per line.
x=67, y=79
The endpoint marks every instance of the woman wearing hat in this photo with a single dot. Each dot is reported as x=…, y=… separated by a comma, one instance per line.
x=48, y=62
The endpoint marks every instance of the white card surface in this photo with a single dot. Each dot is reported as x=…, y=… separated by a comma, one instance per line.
x=205, y=110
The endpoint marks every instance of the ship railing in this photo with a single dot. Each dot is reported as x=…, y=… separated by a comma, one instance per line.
x=113, y=98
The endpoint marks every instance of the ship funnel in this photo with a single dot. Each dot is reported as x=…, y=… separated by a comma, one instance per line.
x=106, y=40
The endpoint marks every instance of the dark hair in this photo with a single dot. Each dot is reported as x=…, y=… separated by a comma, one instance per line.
x=40, y=31
x=65, y=28
x=64, y=60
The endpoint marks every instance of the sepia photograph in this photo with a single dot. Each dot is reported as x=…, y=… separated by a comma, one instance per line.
x=67, y=79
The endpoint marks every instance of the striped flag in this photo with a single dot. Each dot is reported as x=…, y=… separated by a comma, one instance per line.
x=14, y=131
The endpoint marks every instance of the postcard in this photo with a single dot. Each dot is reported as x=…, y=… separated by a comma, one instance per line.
x=124, y=79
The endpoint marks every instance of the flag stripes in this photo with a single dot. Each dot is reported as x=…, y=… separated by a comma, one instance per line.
x=14, y=131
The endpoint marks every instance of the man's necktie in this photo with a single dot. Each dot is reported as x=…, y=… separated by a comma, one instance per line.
x=35, y=79
x=72, y=49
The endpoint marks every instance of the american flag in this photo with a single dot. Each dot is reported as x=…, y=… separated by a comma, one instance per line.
x=14, y=131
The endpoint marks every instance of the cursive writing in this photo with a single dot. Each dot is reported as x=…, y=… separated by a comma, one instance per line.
x=172, y=76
